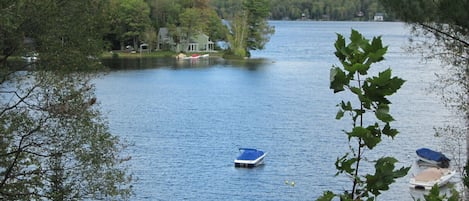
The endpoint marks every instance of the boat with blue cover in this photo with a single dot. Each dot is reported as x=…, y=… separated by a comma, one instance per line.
x=433, y=157
x=431, y=168
x=250, y=158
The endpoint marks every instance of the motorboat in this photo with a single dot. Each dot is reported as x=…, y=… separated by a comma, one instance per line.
x=250, y=158
x=427, y=178
x=431, y=168
x=433, y=157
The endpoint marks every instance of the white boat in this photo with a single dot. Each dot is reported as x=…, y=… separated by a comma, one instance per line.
x=250, y=158
x=428, y=177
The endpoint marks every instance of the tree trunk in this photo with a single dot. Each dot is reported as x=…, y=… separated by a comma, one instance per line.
x=135, y=43
x=464, y=173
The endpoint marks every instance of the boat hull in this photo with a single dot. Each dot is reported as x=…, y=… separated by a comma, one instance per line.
x=250, y=163
x=425, y=180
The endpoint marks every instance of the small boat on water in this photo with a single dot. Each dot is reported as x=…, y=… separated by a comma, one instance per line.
x=433, y=157
x=427, y=178
x=191, y=57
x=431, y=168
x=250, y=158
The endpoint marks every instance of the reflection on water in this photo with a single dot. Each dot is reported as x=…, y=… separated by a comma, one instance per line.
x=145, y=62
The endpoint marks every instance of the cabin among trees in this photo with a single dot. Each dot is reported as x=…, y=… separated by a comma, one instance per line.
x=178, y=41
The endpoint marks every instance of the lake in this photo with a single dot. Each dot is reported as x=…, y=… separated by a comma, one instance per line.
x=188, y=119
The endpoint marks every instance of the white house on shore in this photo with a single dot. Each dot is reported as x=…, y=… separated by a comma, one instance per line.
x=197, y=42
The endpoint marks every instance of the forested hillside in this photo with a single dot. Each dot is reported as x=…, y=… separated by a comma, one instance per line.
x=310, y=9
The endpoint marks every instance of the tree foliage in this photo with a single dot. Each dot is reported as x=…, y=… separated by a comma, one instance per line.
x=442, y=30
x=54, y=144
x=164, y=12
x=310, y=9
x=202, y=19
x=435, y=195
x=130, y=19
x=371, y=92
x=249, y=28
x=239, y=34
x=191, y=16
x=444, y=24
x=259, y=30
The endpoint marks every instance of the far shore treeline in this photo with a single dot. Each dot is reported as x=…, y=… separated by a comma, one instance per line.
x=133, y=22
x=174, y=26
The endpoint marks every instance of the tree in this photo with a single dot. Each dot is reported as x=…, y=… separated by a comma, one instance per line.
x=214, y=28
x=191, y=22
x=371, y=93
x=444, y=27
x=150, y=36
x=251, y=23
x=184, y=18
x=203, y=4
x=130, y=19
x=259, y=30
x=316, y=10
x=201, y=19
x=226, y=9
x=238, y=36
x=164, y=12
x=54, y=144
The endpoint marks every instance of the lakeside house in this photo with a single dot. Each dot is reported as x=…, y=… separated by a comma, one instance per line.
x=179, y=42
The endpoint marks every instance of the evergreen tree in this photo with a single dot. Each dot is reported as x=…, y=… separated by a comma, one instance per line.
x=259, y=30
x=250, y=29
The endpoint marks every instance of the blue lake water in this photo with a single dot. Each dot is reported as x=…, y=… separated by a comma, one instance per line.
x=188, y=119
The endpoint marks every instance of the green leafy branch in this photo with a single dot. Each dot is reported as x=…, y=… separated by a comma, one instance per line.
x=356, y=58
